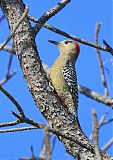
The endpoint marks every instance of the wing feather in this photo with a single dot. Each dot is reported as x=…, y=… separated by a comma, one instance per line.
x=69, y=74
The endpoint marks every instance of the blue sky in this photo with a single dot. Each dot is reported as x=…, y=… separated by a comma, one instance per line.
x=78, y=18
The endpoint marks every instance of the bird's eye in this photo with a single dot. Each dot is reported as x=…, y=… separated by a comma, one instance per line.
x=66, y=42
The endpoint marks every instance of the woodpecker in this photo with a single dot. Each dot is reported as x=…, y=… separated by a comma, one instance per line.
x=63, y=75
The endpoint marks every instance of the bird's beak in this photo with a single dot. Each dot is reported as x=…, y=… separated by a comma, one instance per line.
x=54, y=42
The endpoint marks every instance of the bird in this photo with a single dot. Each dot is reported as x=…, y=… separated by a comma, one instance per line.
x=63, y=76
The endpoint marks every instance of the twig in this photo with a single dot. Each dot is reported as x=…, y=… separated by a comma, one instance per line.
x=80, y=40
x=43, y=151
x=108, y=47
x=95, y=127
x=29, y=121
x=47, y=144
x=10, y=123
x=12, y=100
x=108, y=61
x=58, y=31
x=107, y=145
x=8, y=75
x=100, y=61
x=4, y=80
x=47, y=15
x=102, y=120
x=101, y=123
x=108, y=121
x=17, y=129
x=11, y=50
x=95, y=135
x=9, y=65
x=53, y=144
x=8, y=48
x=96, y=96
x=17, y=25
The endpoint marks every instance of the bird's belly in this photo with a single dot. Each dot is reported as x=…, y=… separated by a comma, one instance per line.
x=59, y=84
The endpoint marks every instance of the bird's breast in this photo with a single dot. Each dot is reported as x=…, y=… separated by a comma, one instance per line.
x=58, y=80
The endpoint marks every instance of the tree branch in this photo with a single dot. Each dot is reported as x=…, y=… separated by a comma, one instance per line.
x=17, y=129
x=109, y=48
x=102, y=122
x=96, y=96
x=100, y=62
x=8, y=75
x=95, y=135
x=65, y=34
x=4, y=80
x=8, y=48
x=46, y=16
x=47, y=144
x=108, y=144
x=12, y=99
x=9, y=123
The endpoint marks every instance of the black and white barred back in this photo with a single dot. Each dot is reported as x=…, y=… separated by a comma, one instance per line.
x=69, y=74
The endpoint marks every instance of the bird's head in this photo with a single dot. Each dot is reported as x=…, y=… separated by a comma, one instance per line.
x=68, y=48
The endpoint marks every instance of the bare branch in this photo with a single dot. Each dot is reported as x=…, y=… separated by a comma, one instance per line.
x=108, y=61
x=16, y=26
x=43, y=151
x=9, y=65
x=17, y=129
x=53, y=144
x=107, y=121
x=8, y=48
x=46, y=16
x=108, y=144
x=8, y=75
x=12, y=99
x=80, y=40
x=96, y=96
x=100, y=61
x=95, y=127
x=4, y=80
x=47, y=144
x=108, y=47
x=95, y=135
x=102, y=122
x=10, y=123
